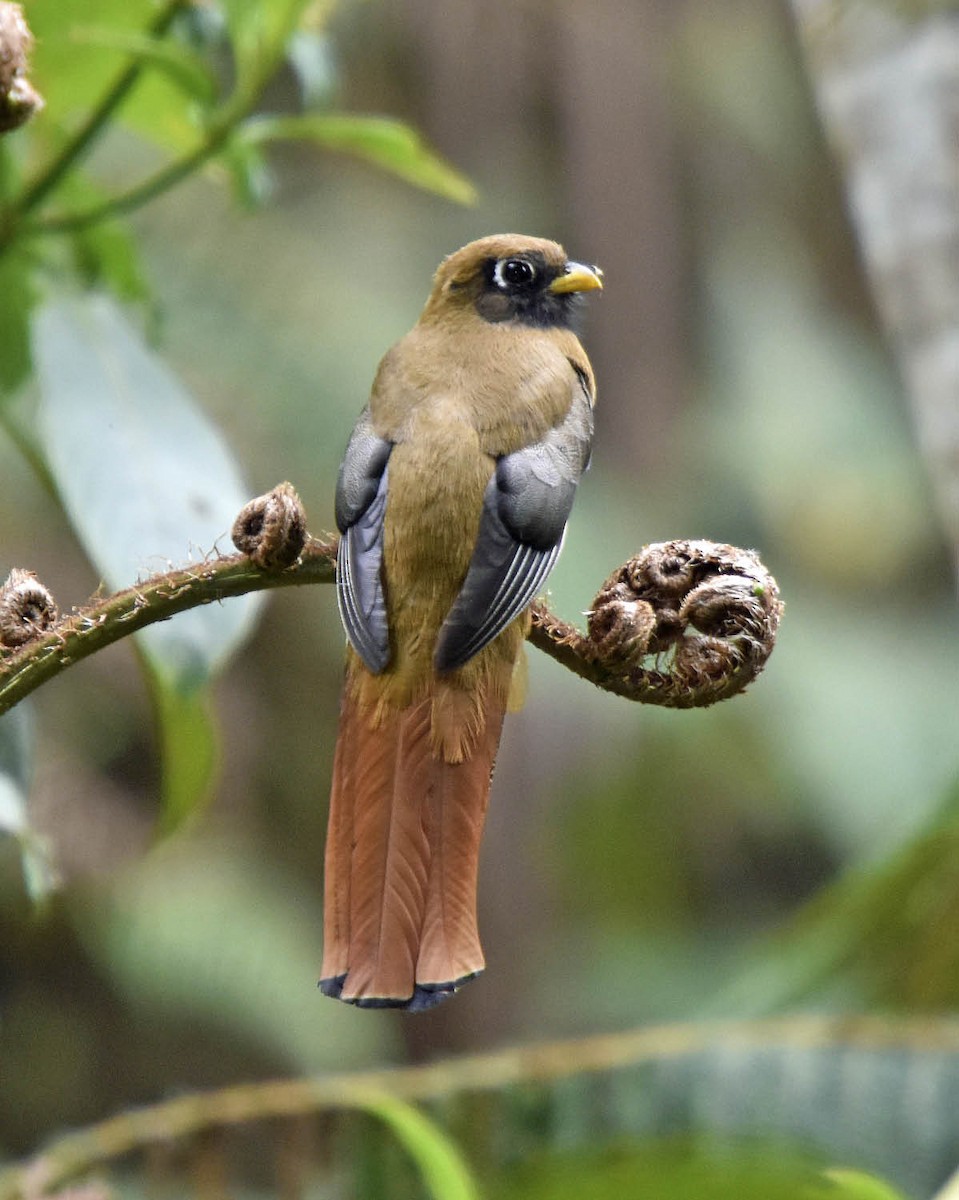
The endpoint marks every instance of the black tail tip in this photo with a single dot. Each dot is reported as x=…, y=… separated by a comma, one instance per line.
x=333, y=986
x=425, y=996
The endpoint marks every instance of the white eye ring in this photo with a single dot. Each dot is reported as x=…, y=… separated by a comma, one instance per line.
x=522, y=272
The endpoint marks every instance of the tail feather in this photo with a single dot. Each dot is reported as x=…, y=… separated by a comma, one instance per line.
x=388, y=861
x=401, y=859
x=450, y=950
x=337, y=860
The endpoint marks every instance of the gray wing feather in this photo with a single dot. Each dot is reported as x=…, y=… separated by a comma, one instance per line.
x=361, y=490
x=525, y=508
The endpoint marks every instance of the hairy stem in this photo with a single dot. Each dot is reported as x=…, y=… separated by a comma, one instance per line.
x=683, y=624
x=103, y=622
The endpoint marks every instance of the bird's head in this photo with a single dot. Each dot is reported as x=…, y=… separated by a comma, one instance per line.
x=509, y=277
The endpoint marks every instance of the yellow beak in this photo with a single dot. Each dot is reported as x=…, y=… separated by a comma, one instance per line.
x=578, y=278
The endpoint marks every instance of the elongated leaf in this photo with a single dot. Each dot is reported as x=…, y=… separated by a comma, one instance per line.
x=177, y=61
x=17, y=292
x=843, y=1183
x=189, y=746
x=16, y=760
x=253, y=182
x=105, y=254
x=146, y=479
x=72, y=80
x=75, y=78
x=681, y=1168
x=147, y=482
x=17, y=299
x=259, y=33
x=443, y=1169
x=887, y=929
x=390, y=144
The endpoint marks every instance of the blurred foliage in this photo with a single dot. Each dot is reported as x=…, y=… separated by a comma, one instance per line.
x=793, y=849
x=730, y=1108
x=677, y=1169
x=884, y=932
x=140, y=471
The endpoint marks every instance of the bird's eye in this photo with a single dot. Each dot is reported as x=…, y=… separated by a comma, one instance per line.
x=513, y=272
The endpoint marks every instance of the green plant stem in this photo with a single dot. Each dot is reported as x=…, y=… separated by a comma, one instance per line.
x=126, y=202
x=49, y=178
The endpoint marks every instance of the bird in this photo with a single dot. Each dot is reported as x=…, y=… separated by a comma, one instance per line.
x=451, y=503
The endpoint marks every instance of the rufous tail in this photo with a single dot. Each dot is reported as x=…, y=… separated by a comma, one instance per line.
x=402, y=855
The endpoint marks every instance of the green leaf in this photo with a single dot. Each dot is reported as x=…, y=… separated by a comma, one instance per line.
x=253, y=181
x=189, y=747
x=146, y=479
x=259, y=33
x=74, y=79
x=16, y=761
x=388, y=143
x=71, y=80
x=147, y=483
x=843, y=1183
x=178, y=62
x=11, y=174
x=105, y=254
x=887, y=929
x=674, y=1168
x=18, y=298
x=443, y=1169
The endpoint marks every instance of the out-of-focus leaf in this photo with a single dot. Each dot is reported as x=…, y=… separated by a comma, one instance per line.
x=199, y=931
x=843, y=1183
x=178, y=62
x=887, y=930
x=105, y=254
x=388, y=143
x=440, y=1163
x=259, y=33
x=189, y=745
x=253, y=181
x=16, y=759
x=680, y=1168
x=160, y=113
x=10, y=173
x=74, y=78
x=877, y=1094
x=17, y=301
x=146, y=479
x=70, y=78
x=148, y=483
x=311, y=56
x=202, y=26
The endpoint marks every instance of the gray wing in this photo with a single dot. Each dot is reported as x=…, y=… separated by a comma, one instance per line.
x=525, y=509
x=360, y=508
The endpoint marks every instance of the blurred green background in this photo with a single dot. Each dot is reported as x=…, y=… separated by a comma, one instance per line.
x=632, y=856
